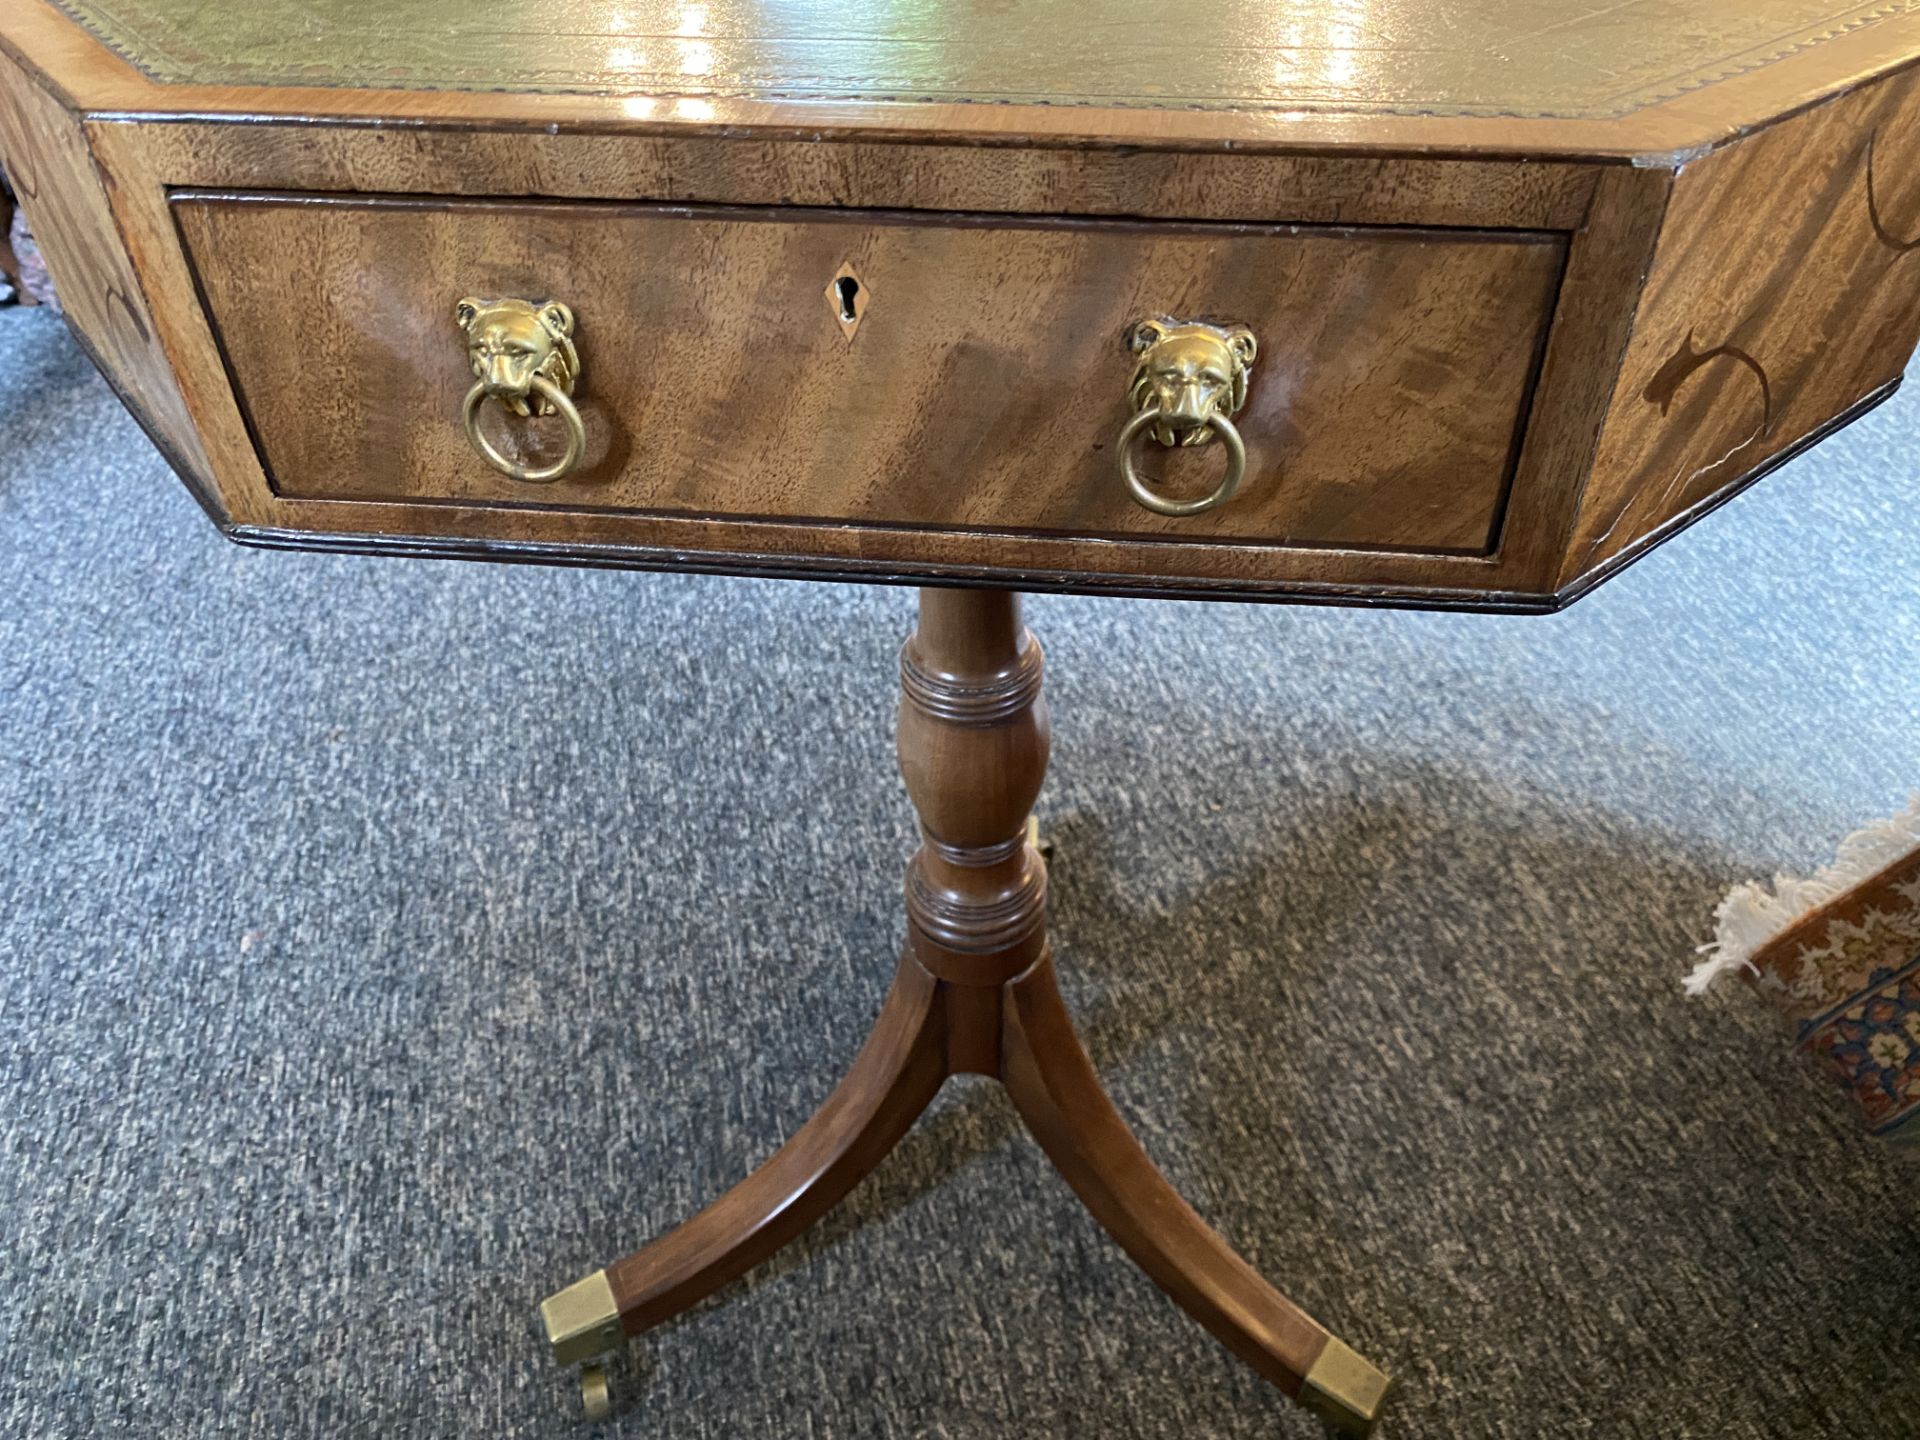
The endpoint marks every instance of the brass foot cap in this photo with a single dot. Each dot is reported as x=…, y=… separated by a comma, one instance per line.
x=582, y=1320
x=1344, y=1390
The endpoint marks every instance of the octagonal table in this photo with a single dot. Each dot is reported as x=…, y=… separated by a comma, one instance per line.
x=1458, y=305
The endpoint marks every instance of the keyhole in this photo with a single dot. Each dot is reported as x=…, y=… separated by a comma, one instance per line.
x=847, y=288
x=847, y=298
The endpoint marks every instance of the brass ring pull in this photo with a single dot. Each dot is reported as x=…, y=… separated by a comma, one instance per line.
x=1190, y=377
x=556, y=402
x=522, y=355
x=1159, y=504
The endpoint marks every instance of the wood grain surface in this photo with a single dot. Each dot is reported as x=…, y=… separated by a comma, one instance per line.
x=982, y=390
x=1785, y=292
x=56, y=181
x=1763, y=229
x=1128, y=183
x=1602, y=213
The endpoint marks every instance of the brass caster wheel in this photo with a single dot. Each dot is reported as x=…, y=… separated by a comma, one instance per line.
x=595, y=1398
x=583, y=1324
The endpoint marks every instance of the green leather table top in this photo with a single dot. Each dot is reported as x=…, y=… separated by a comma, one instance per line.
x=1557, y=58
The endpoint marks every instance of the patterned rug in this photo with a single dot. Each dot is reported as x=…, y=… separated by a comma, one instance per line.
x=1839, y=955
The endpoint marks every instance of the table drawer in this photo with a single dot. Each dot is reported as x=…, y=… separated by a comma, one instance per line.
x=982, y=388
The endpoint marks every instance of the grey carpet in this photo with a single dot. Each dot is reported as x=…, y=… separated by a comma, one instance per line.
x=385, y=944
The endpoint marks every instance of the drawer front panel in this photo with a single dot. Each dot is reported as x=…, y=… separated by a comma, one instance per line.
x=981, y=390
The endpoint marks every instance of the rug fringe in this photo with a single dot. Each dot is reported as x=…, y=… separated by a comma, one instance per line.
x=1752, y=915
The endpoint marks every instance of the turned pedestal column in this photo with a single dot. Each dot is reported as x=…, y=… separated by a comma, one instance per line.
x=974, y=994
x=973, y=750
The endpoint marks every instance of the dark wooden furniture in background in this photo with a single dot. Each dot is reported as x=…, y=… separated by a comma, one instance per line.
x=1530, y=289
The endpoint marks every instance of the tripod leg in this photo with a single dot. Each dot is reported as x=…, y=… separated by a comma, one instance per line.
x=896, y=1074
x=1059, y=1095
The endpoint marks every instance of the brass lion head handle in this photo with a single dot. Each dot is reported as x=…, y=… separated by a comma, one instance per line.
x=1189, y=379
x=523, y=356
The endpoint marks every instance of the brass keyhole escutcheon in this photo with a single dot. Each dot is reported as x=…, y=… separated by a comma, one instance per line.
x=523, y=357
x=1189, y=378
